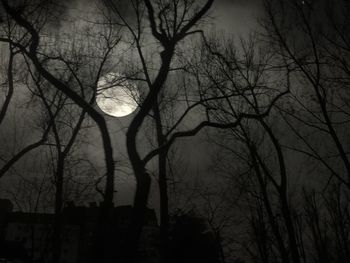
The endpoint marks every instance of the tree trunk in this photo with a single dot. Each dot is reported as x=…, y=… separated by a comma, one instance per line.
x=268, y=207
x=164, y=205
x=57, y=226
x=131, y=249
x=9, y=94
x=283, y=196
x=163, y=186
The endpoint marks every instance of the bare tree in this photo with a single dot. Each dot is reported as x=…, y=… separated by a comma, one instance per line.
x=33, y=53
x=32, y=19
x=13, y=76
x=308, y=46
x=65, y=129
x=245, y=80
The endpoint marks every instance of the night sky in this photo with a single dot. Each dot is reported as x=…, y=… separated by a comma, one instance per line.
x=231, y=18
x=259, y=108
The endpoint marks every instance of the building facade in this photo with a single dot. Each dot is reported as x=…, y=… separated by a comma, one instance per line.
x=31, y=233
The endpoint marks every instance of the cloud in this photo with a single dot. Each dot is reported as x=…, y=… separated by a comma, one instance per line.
x=237, y=17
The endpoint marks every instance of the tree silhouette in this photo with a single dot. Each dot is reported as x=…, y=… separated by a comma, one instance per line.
x=191, y=240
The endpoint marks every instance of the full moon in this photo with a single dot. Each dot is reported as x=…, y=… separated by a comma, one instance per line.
x=116, y=96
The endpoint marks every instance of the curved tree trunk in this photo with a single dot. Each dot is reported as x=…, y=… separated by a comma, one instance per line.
x=143, y=179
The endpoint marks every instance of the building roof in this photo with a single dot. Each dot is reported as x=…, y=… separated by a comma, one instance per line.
x=77, y=215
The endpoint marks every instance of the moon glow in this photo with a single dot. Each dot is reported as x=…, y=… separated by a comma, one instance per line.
x=116, y=96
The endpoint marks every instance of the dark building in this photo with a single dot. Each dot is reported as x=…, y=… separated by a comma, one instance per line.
x=29, y=235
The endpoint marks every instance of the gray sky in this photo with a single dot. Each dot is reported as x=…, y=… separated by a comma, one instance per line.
x=237, y=16
x=234, y=18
